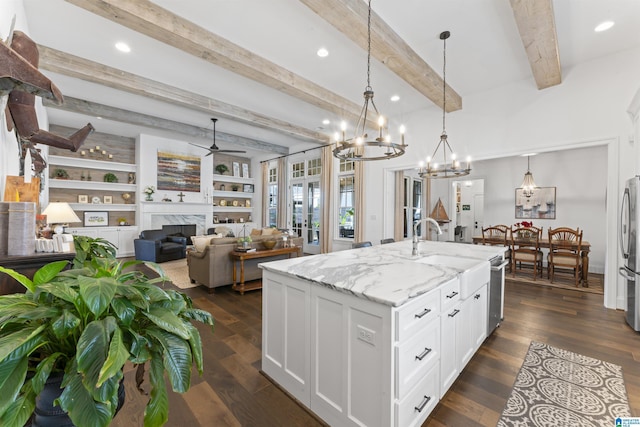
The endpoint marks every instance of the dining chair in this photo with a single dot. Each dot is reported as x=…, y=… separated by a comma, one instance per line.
x=361, y=245
x=565, y=252
x=387, y=240
x=498, y=235
x=525, y=249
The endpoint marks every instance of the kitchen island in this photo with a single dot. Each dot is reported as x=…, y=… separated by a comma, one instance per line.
x=374, y=336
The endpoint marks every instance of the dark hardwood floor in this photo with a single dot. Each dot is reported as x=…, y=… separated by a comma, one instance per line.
x=232, y=392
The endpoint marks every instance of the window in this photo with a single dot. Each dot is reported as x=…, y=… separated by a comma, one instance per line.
x=412, y=205
x=272, y=208
x=347, y=200
x=314, y=167
x=297, y=170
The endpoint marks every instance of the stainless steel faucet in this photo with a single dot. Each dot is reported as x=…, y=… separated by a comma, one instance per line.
x=415, y=232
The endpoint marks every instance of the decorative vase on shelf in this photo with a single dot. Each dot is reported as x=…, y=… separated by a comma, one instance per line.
x=149, y=198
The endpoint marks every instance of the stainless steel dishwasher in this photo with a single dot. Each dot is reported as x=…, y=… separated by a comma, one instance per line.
x=496, y=293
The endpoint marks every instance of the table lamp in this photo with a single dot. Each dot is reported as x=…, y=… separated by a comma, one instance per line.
x=61, y=214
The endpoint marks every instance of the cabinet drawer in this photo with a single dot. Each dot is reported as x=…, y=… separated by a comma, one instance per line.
x=449, y=294
x=414, y=315
x=414, y=409
x=415, y=357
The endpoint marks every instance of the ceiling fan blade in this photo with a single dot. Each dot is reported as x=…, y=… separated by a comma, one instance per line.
x=196, y=145
x=230, y=151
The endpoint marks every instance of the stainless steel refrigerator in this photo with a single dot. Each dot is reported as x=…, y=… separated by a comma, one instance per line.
x=630, y=246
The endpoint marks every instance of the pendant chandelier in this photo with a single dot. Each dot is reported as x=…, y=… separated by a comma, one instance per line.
x=528, y=186
x=450, y=166
x=361, y=146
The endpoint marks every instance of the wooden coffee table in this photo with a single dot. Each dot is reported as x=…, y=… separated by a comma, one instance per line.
x=242, y=256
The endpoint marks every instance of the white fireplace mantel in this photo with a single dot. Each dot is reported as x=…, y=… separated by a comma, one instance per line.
x=153, y=215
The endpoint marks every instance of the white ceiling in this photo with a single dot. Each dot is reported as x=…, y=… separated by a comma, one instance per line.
x=484, y=51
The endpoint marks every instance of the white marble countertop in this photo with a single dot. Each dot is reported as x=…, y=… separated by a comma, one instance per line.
x=387, y=274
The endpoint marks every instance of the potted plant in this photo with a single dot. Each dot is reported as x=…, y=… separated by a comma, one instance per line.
x=83, y=324
x=88, y=248
x=149, y=190
x=235, y=187
x=60, y=174
x=244, y=242
x=110, y=177
x=222, y=168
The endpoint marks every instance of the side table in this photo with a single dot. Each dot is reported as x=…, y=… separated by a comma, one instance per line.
x=242, y=256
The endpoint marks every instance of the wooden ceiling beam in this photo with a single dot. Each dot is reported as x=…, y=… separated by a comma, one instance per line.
x=74, y=66
x=350, y=18
x=537, y=27
x=81, y=106
x=160, y=24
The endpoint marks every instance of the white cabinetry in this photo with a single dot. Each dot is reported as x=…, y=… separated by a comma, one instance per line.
x=352, y=361
x=121, y=237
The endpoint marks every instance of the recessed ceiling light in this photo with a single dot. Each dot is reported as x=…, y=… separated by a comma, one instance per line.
x=326, y=122
x=528, y=154
x=604, y=26
x=98, y=117
x=395, y=98
x=322, y=52
x=123, y=47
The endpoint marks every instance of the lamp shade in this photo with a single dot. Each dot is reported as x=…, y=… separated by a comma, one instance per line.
x=60, y=213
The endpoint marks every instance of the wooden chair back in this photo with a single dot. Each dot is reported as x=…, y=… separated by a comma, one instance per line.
x=525, y=248
x=565, y=250
x=495, y=235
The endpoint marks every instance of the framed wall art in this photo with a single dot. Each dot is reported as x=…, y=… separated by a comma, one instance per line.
x=83, y=198
x=108, y=199
x=539, y=205
x=96, y=219
x=178, y=172
x=236, y=169
x=247, y=188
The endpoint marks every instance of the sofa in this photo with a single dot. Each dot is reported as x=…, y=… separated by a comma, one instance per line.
x=211, y=265
x=160, y=245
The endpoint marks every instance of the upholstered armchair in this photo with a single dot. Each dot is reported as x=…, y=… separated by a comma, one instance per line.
x=157, y=246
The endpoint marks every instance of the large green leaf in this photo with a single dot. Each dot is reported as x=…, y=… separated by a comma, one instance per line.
x=18, y=413
x=196, y=347
x=12, y=383
x=199, y=315
x=97, y=293
x=157, y=411
x=176, y=357
x=168, y=321
x=20, y=278
x=124, y=310
x=60, y=289
x=116, y=358
x=152, y=292
x=93, y=346
x=65, y=324
x=48, y=272
x=43, y=371
x=29, y=336
x=82, y=409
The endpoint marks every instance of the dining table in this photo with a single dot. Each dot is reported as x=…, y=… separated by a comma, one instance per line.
x=585, y=248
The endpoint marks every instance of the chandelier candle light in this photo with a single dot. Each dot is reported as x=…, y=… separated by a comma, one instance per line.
x=450, y=166
x=360, y=147
x=528, y=185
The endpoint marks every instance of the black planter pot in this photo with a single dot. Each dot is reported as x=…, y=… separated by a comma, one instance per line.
x=47, y=415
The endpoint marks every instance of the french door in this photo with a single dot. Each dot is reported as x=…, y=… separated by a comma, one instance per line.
x=305, y=203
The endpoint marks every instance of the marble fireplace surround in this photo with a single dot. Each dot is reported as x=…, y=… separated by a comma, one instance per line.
x=153, y=215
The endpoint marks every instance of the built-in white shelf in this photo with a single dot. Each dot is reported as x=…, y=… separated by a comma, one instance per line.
x=231, y=209
x=90, y=185
x=102, y=207
x=232, y=195
x=88, y=163
x=230, y=178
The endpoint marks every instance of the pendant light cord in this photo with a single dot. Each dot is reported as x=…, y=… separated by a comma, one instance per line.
x=444, y=85
x=369, y=49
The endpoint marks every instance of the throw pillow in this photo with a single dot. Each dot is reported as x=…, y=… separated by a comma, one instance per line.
x=267, y=231
x=200, y=242
x=256, y=232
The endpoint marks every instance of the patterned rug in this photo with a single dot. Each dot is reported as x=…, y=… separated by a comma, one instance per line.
x=558, y=388
x=178, y=273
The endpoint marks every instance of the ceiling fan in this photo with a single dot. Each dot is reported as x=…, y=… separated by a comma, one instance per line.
x=214, y=148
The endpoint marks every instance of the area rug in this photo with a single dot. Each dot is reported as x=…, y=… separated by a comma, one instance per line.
x=178, y=272
x=558, y=388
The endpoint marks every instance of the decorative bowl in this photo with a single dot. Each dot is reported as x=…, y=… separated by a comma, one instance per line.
x=269, y=244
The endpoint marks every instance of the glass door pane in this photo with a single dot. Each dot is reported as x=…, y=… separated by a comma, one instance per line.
x=297, y=216
x=312, y=242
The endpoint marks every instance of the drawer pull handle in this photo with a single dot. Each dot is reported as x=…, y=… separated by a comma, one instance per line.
x=423, y=313
x=477, y=296
x=422, y=404
x=452, y=294
x=454, y=312
x=423, y=354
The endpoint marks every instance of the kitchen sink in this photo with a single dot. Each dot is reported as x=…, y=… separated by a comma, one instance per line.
x=473, y=272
